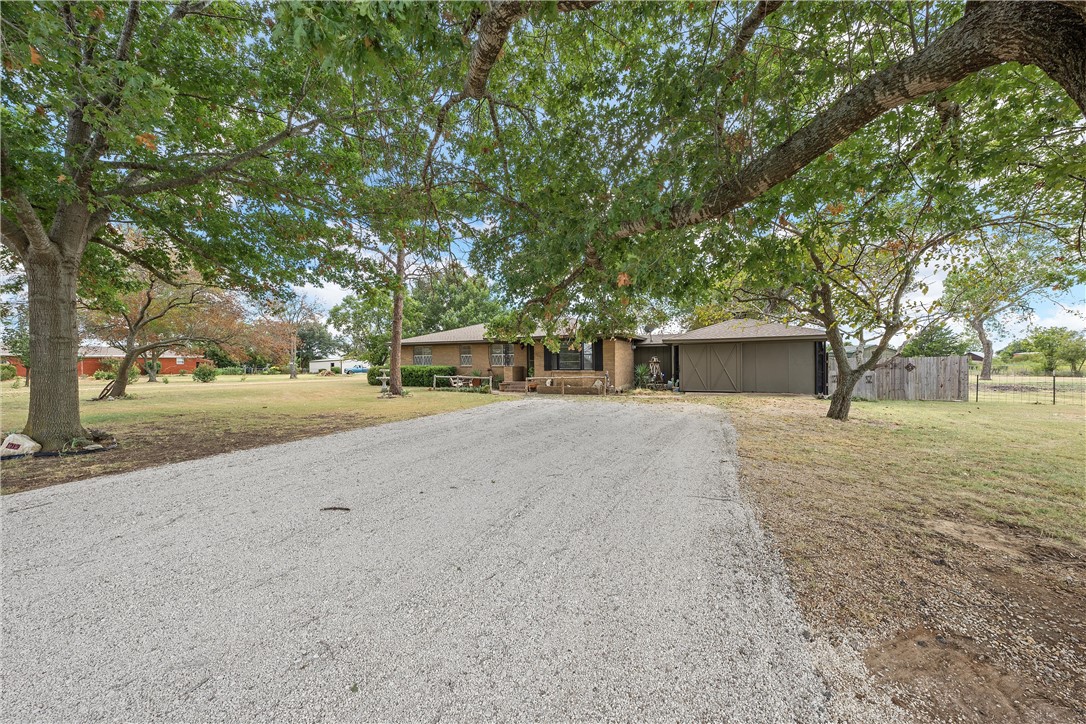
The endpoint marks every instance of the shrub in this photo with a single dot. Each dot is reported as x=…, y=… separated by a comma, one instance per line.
x=416, y=375
x=273, y=370
x=231, y=370
x=156, y=366
x=205, y=373
x=641, y=375
x=7, y=372
x=165, y=380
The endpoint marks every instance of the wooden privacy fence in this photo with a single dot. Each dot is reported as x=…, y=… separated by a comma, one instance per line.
x=911, y=378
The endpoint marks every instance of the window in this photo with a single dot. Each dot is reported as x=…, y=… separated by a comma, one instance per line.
x=180, y=360
x=465, y=355
x=501, y=355
x=422, y=356
x=578, y=358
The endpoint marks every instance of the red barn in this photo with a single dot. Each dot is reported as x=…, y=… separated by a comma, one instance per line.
x=92, y=358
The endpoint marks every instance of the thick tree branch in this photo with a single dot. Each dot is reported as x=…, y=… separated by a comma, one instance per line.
x=989, y=34
x=216, y=169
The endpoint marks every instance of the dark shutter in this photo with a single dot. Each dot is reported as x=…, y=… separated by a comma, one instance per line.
x=548, y=363
x=597, y=355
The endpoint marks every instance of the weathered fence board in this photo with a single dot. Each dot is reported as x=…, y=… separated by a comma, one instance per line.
x=911, y=378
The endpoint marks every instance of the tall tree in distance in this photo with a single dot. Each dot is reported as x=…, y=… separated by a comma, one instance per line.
x=1005, y=276
x=159, y=316
x=287, y=316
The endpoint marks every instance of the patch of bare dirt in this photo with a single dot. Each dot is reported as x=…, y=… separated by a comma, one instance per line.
x=137, y=449
x=962, y=621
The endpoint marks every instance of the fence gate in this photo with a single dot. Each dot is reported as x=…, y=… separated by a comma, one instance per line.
x=911, y=378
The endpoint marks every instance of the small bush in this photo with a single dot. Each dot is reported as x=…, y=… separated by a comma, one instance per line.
x=231, y=370
x=7, y=372
x=17, y=383
x=165, y=380
x=182, y=373
x=205, y=373
x=156, y=366
x=273, y=370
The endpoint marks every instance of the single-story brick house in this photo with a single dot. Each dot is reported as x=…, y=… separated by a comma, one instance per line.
x=92, y=358
x=739, y=355
x=469, y=350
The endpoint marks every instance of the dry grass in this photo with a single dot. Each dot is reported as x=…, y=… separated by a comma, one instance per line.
x=182, y=420
x=946, y=537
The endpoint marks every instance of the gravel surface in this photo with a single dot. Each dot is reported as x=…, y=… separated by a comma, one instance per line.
x=534, y=559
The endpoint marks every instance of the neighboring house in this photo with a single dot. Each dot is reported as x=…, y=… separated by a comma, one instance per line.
x=746, y=355
x=736, y=356
x=92, y=358
x=974, y=357
x=333, y=363
x=469, y=350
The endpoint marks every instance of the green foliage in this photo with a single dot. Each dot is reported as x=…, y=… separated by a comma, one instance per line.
x=315, y=341
x=219, y=357
x=936, y=340
x=1006, y=274
x=195, y=91
x=107, y=370
x=273, y=370
x=7, y=372
x=641, y=375
x=416, y=375
x=449, y=299
x=231, y=370
x=150, y=365
x=1058, y=344
x=365, y=319
x=205, y=373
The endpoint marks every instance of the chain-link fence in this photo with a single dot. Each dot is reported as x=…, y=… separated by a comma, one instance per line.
x=1030, y=389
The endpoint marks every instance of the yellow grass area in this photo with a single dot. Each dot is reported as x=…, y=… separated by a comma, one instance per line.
x=184, y=419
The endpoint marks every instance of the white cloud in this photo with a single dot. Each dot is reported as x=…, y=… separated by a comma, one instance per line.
x=327, y=296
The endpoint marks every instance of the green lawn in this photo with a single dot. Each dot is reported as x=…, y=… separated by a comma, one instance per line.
x=184, y=419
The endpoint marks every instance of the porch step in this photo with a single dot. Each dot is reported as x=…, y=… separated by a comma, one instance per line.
x=513, y=386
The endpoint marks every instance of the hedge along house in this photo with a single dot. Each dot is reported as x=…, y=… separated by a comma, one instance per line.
x=747, y=355
x=469, y=350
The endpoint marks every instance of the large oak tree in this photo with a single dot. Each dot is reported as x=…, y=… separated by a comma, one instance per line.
x=187, y=120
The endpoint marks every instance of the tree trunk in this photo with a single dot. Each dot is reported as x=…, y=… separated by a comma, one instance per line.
x=152, y=367
x=395, y=384
x=294, y=353
x=53, y=419
x=841, y=400
x=120, y=383
x=986, y=344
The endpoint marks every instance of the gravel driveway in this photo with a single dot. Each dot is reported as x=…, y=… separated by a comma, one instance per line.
x=535, y=559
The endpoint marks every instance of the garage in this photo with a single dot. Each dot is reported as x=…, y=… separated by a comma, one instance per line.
x=745, y=355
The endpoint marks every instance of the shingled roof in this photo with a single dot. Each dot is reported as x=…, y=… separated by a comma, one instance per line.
x=740, y=330
x=462, y=335
x=475, y=333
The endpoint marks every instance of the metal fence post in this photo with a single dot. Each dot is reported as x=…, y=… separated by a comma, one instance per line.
x=978, y=388
x=1053, y=388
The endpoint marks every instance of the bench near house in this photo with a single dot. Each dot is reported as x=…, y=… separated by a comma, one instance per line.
x=739, y=355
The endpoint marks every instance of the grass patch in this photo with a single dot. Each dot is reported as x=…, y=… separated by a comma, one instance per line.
x=182, y=420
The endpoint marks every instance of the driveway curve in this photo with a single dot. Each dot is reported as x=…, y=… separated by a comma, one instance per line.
x=534, y=559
